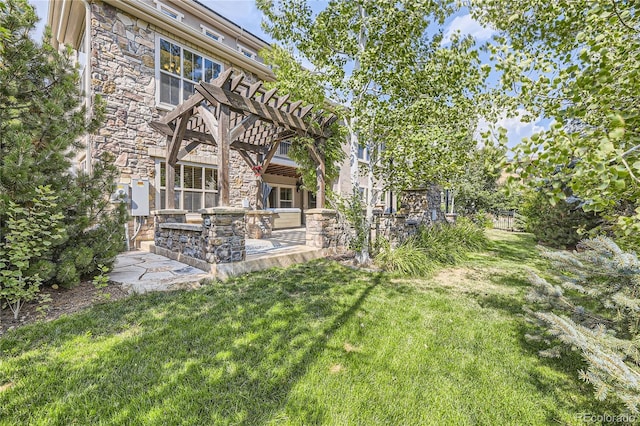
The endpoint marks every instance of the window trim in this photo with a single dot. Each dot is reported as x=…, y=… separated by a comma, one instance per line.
x=278, y=200
x=159, y=72
x=182, y=189
x=206, y=31
x=168, y=11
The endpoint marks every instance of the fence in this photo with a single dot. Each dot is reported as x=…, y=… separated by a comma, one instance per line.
x=506, y=221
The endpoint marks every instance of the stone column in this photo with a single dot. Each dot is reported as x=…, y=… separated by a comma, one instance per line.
x=422, y=205
x=160, y=236
x=321, y=228
x=259, y=224
x=223, y=231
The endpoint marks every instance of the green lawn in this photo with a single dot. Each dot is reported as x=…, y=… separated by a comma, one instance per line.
x=313, y=344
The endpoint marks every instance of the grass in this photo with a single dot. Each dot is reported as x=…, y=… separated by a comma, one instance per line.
x=318, y=343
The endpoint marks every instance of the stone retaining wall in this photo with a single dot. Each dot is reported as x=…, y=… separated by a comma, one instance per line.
x=184, y=238
x=220, y=238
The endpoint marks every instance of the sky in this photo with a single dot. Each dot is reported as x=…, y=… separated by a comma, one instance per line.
x=246, y=14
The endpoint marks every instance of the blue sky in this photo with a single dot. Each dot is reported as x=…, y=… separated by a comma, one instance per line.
x=246, y=14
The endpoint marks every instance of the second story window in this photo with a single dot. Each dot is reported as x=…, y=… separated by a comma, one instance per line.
x=247, y=52
x=212, y=34
x=363, y=153
x=169, y=11
x=180, y=70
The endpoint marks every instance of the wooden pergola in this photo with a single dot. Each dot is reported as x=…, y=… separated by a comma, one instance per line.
x=232, y=114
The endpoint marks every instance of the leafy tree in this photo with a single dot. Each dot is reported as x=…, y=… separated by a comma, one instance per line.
x=576, y=61
x=561, y=225
x=476, y=188
x=596, y=311
x=41, y=121
x=378, y=58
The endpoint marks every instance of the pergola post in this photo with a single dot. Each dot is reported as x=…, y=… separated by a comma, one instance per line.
x=320, y=178
x=223, y=154
x=170, y=191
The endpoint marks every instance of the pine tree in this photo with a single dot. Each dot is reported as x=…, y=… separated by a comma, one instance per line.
x=595, y=310
x=41, y=121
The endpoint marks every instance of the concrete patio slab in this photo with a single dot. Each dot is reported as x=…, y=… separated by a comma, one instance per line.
x=141, y=272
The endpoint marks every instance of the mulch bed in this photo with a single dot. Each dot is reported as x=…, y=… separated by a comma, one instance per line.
x=63, y=301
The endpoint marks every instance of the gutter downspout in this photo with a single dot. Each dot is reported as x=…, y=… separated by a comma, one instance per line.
x=87, y=84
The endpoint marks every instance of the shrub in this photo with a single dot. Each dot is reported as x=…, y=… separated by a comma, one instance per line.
x=30, y=231
x=406, y=259
x=595, y=310
x=448, y=243
x=437, y=245
x=41, y=123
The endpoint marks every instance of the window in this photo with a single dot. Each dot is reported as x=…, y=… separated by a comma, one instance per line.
x=283, y=149
x=196, y=187
x=169, y=11
x=286, y=197
x=247, y=52
x=281, y=197
x=211, y=33
x=180, y=70
x=363, y=153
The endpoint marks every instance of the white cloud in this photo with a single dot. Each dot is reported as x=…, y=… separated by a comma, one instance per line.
x=516, y=127
x=467, y=25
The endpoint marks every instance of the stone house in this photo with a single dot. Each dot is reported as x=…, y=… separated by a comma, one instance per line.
x=145, y=57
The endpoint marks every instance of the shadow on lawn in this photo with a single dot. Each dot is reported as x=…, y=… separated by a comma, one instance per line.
x=553, y=376
x=229, y=353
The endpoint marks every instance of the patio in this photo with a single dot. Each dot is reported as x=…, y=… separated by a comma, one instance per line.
x=142, y=271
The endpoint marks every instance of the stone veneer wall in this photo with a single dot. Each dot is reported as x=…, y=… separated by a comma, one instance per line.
x=417, y=208
x=220, y=238
x=421, y=204
x=322, y=230
x=393, y=227
x=123, y=73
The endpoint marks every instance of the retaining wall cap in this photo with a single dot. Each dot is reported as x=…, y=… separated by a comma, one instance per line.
x=182, y=226
x=223, y=210
x=260, y=213
x=322, y=211
x=168, y=212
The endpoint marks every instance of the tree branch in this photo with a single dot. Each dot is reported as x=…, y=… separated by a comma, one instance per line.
x=624, y=24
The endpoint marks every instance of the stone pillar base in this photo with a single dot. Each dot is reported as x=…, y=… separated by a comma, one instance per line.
x=259, y=224
x=321, y=228
x=224, y=234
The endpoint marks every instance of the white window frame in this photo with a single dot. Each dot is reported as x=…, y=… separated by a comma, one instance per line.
x=279, y=201
x=181, y=189
x=168, y=11
x=212, y=34
x=181, y=77
x=244, y=50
